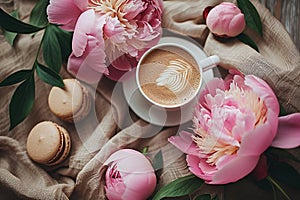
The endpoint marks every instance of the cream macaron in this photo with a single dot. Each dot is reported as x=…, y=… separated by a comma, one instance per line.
x=48, y=143
x=72, y=103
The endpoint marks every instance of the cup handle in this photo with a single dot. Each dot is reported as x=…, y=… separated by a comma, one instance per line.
x=209, y=62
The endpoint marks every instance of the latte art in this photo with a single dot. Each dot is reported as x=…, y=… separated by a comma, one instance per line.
x=169, y=76
x=176, y=75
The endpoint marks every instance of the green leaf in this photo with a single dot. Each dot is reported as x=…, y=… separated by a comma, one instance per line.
x=247, y=40
x=65, y=42
x=11, y=24
x=10, y=36
x=49, y=76
x=157, y=161
x=38, y=15
x=51, y=49
x=252, y=17
x=21, y=102
x=282, y=154
x=180, y=187
x=282, y=111
x=274, y=183
x=16, y=77
x=203, y=197
x=215, y=198
x=286, y=174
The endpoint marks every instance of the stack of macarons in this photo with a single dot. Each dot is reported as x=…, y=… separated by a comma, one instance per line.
x=72, y=103
x=48, y=143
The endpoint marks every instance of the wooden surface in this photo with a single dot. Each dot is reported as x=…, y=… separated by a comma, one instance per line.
x=287, y=11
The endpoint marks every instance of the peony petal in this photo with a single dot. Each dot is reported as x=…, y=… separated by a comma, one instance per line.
x=85, y=74
x=288, y=134
x=211, y=88
x=127, y=161
x=83, y=28
x=139, y=186
x=81, y=4
x=237, y=25
x=64, y=13
x=124, y=62
x=200, y=168
x=263, y=90
x=235, y=169
x=257, y=141
x=95, y=55
x=118, y=75
x=185, y=143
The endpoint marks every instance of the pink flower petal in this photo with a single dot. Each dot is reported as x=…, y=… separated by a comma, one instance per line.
x=235, y=170
x=139, y=185
x=200, y=168
x=118, y=75
x=81, y=4
x=84, y=26
x=64, y=13
x=263, y=90
x=255, y=142
x=185, y=143
x=211, y=88
x=85, y=74
x=288, y=134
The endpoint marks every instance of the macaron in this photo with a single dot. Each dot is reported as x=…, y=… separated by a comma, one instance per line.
x=48, y=143
x=70, y=104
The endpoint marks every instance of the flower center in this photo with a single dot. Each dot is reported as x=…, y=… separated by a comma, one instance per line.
x=112, y=8
x=218, y=140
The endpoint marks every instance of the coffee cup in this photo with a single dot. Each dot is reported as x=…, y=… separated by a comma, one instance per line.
x=170, y=76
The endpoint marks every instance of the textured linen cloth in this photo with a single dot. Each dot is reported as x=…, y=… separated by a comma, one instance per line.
x=111, y=125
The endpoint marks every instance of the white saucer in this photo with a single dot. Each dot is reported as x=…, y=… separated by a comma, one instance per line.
x=153, y=114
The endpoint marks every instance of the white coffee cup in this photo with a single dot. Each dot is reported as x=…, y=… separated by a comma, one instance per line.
x=171, y=66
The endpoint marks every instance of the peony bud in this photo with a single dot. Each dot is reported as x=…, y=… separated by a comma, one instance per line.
x=130, y=175
x=226, y=20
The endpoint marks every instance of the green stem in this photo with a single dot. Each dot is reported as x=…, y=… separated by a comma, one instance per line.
x=145, y=150
x=40, y=46
x=273, y=182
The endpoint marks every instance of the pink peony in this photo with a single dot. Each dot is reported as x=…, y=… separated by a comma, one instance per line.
x=130, y=175
x=235, y=121
x=109, y=35
x=226, y=20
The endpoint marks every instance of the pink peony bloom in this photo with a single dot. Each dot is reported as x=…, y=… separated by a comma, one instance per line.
x=112, y=33
x=130, y=175
x=226, y=20
x=235, y=121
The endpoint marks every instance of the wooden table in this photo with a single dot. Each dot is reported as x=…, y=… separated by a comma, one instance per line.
x=287, y=11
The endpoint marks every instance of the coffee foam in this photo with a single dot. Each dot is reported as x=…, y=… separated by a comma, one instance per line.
x=169, y=76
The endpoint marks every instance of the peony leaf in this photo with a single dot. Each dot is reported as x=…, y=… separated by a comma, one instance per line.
x=51, y=49
x=252, y=17
x=16, y=77
x=282, y=154
x=203, y=197
x=38, y=15
x=49, y=76
x=157, y=161
x=247, y=40
x=12, y=24
x=276, y=185
x=282, y=111
x=286, y=174
x=22, y=102
x=10, y=36
x=65, y=42
x=179, y=187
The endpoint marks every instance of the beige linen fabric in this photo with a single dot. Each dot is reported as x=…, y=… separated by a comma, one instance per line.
x=111, y=125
